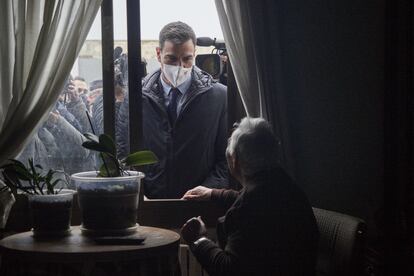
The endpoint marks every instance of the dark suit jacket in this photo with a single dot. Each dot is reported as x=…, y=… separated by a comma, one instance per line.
x=191, y=152
x=269, y=230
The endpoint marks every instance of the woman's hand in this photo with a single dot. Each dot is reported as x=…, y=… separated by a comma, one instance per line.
x=199, y=193
x=193, y=229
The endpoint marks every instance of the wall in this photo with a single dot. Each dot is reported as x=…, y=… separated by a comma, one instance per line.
x=333, y=64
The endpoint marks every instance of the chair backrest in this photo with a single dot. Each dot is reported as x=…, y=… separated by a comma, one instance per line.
x=341, y=243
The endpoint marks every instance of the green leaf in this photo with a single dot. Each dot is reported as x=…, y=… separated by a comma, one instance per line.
x=139, y=158
x=16, y=163
x=104, y=144
x=49, y=176
x=51, y=186
x=92, y=145
x=17, y=169
x=110, y=167
x=20, y=172
x=11, y=180
x=54, y=183
x=113, y=170
x=103, y=172
x=32, y=167
x=91, y=136
x=107, y=142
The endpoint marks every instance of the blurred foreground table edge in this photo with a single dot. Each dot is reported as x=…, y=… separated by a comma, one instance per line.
x=77, y=254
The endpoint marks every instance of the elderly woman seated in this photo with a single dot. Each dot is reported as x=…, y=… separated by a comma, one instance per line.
x=270, y=228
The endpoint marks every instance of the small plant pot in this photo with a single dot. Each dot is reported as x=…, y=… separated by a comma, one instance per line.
x=51, y=214
x=108, y=205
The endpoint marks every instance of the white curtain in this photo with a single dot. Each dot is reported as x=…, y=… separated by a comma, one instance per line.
x=40, y=40
x=252, y=36
x=235, y=24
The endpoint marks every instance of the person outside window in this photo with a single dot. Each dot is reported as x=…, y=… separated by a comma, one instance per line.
x=184, y=120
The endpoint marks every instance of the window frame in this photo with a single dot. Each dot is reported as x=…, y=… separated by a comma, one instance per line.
x=135, y=70
x=235, y=108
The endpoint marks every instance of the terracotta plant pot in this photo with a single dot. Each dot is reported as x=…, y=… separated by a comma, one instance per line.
x=51, y=214
x=108, y=204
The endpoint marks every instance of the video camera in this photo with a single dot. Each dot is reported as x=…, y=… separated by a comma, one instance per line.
x=206, y=41
x=120, y=67
x=216, y=62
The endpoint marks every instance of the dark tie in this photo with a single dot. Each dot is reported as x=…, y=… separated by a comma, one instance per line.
x=172, y=106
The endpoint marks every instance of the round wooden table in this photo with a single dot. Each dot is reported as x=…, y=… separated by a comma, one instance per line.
x=77, y=254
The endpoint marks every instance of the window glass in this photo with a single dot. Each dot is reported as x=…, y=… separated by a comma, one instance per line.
x=57, y=143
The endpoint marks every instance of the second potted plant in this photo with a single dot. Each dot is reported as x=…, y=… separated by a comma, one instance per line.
x=50, y=207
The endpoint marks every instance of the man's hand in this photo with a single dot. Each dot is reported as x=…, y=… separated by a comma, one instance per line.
x=53, y=118
x=199, y=193
x=193, y=229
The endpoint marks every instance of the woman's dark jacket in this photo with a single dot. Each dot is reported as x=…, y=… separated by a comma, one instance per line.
x=192, y=151
x=269, y=230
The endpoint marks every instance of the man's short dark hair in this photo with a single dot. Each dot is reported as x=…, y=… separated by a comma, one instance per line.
x=96, y=84
x=176, y=32
x=79, y=78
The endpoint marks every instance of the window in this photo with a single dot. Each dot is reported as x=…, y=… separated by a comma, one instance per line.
x=57, y=142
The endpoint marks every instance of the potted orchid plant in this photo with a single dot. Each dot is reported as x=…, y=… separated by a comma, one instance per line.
x=108, y=197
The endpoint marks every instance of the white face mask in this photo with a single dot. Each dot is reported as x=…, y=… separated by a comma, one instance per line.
x=176, y=75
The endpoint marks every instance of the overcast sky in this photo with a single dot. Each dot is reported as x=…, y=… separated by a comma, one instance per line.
x=201, y=15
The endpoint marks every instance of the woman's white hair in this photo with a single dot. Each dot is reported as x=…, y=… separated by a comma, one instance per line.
x=254, y=146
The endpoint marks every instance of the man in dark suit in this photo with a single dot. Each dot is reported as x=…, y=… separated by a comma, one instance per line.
x=270, y=228
x=185, y=120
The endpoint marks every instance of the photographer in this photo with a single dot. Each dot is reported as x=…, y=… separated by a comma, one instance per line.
x=81, y=87
x=68, y=140
x=97, y=105
x=61, y=105
x=75, y=104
